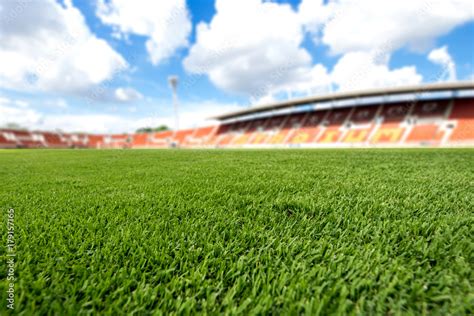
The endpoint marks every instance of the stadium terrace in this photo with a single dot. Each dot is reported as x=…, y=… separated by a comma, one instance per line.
x=435, y=115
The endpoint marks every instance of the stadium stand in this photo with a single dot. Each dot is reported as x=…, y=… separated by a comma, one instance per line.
x=462, y=116
x=233, y=132
x=201, y=136
x=7, y=140
x=54, y=140
x=425, y=133
x=121, y=141
x=26, y=139
x=140, y=140
x=96, y=141
x=391, y=126
x=181, y=137
x=432, y=121
x=258, y=134
x=334, y=126
x=215, y=138
x=79, y=140
x=160, y=139
x=360, y=125
x=272, y=132
x=247, y=131
x=307, y=129
x=291, y=125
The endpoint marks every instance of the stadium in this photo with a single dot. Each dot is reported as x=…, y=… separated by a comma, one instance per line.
x=316, y=157
x=436, y=115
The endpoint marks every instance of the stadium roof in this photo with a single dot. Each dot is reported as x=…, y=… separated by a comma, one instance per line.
x=433, y=87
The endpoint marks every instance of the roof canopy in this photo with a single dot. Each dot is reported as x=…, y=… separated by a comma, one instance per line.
x=434, y=87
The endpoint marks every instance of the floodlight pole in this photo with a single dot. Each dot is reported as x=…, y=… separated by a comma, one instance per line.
x=173, y=81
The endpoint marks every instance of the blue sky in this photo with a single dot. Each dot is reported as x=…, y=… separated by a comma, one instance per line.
x=111, y=76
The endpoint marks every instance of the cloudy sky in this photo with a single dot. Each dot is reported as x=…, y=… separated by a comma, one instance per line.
x=102, y=65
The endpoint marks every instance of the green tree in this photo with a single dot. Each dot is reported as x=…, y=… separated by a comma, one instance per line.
x=160, y=128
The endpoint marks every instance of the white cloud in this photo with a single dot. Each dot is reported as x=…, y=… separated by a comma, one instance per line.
x=441, y=56
x=194, y=114
x=314, y=14
x=22, y=104
x=88, y=123
x=15, y=111
x=360, y=25
x=48, y=47
x=359, y=70
x=263, y=56
x=57, y=103
x=165, y=23
x=4, y=100
x=191, y=115
x=127, y=94
x=254, y=48
x=17, y=103
x=198, y=113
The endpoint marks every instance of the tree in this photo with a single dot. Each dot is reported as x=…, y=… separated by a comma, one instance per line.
x=160, y=128
x=16, y=126
x=144, y=130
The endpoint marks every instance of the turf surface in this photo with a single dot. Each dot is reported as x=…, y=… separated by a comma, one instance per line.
x=250, y=232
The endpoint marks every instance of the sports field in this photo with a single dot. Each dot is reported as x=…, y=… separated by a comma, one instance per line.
x=251, y=232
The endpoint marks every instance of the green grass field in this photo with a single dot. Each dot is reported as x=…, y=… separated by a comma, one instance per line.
x=240, y=232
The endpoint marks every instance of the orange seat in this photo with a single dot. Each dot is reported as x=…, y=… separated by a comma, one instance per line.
x=388, y=133
x=26, y=140
x=218, y=134
x=330, y=135
x=200, y=136
x=54, y=140
x=251, y=129
x=228, y=136
x=425, y=133
x=364, y=120
x=360, y=135
x=292, y=123
x=271, y=127
x=140, y=140
x=181, y=136
x=463, y=113
x=6, y=143
x=309, y=129
x=333, y=121
x=96, y=141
